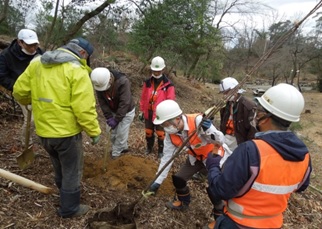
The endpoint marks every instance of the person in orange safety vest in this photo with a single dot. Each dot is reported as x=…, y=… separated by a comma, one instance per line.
x=258, y=178
x=178, y=128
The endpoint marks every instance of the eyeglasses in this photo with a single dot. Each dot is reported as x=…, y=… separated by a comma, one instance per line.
x=29, y=46
x=168, y=123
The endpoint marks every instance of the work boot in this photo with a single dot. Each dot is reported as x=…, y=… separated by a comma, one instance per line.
x=150, y=143
x=83, y=209
x=183, y=201
x=148, y=151
x=160, y=148
x=210, y=225
x=177, y=205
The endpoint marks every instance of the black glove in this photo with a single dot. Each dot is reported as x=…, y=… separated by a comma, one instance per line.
x=212, y=160
x=154, y=187
x=141, y=116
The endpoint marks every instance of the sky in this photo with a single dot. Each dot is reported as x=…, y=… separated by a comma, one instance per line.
x=285, y=9
x=294, y=9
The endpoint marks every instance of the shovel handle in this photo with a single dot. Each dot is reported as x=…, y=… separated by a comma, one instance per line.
x=25, y=182
x=27, y=134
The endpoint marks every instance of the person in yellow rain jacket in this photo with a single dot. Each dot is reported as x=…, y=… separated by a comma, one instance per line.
x=58, y=86
x=258, y=178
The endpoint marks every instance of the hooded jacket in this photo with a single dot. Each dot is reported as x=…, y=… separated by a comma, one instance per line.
x=242, y=167
x=58, y=86
x=13, y=61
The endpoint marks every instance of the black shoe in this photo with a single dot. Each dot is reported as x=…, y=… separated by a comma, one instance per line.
x=83, y=209
x=177, y=205
x=125, y=151
x=148, y=151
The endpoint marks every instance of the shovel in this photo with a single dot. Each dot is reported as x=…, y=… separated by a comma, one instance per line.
x=26, y=158
x=106, y=152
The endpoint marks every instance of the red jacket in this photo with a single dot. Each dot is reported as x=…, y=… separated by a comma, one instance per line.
x=150, y=98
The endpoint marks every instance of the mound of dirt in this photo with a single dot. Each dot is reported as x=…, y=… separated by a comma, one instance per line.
x=128, y=173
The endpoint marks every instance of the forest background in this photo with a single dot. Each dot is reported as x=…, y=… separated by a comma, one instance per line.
x=201, y=45
x=197, y=38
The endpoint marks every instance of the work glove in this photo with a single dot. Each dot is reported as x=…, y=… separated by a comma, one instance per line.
x=112, y=122
x=28, y=107
x=213, y=160
x=95, y=139
x=141, y=116
x=154, y=187
x=206, y=124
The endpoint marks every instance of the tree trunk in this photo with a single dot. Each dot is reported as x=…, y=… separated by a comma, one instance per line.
x=193, y=66
x=4, y=12
x=50, y=32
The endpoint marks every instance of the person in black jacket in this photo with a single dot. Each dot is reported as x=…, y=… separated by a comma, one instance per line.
x=113, y=91
x=13, y=62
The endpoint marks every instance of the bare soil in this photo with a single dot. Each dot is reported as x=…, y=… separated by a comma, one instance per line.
x=127, y=176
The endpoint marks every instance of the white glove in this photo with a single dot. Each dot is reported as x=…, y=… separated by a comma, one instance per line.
x=28, y=107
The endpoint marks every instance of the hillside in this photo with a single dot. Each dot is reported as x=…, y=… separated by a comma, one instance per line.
x=127, y=176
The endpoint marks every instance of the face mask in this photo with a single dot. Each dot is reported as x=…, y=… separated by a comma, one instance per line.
x=171, y=129
x=28, y=53
x=157, y=77
x=254, y=122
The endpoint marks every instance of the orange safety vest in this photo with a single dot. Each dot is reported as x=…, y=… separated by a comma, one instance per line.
x=263, y=205
x=230, y=130
x=196, y=148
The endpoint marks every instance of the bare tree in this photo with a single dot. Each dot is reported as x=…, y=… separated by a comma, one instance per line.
x=85, y=18
x=4, y=13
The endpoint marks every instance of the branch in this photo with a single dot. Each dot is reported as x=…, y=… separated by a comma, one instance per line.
x=4, y=14
x=85, y=18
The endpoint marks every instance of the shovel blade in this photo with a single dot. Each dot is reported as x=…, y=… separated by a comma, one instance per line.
x=26, y=158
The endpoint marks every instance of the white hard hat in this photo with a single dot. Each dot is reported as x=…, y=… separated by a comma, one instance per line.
x=229, y=83
x=101, y=78
x=166, y=110
x=157, y=64
x=283, y=101
x=28, y=36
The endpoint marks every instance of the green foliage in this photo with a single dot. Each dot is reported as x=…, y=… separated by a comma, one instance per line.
x=181, y=29
x=13, y=23
x=296, y=126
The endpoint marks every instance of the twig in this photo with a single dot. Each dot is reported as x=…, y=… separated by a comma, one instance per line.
x=315, y=189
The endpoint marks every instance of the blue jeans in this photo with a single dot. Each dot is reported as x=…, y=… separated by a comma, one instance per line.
x=67, y=158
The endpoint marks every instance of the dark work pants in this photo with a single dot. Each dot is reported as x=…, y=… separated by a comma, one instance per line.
x=66, y=155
